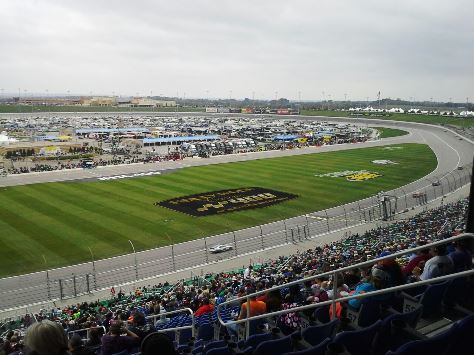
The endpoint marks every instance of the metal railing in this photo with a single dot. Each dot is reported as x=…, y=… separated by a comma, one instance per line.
x=334, y=275
x=87, y=330
x=182, y=310
x=121, y=271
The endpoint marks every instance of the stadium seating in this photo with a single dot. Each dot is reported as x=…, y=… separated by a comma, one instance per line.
x=317, y=333
x=358, y=342
x=375, y=322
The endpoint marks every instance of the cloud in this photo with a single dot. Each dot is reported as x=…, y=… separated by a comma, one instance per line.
x=404, y=48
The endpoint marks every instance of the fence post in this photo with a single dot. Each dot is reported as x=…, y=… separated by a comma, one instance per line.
x=327, y=219
x=205, y=251
x=48, y=286
x=172, y=258
x=87, y=284
x=93, y=269
x=345, y=213
x=261, y=237
x=61, y=294
x=136, y=264
x=235, y=243
x=74, y=285
x=286, y=232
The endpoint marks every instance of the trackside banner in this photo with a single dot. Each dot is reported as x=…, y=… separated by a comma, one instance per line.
x=224, y=201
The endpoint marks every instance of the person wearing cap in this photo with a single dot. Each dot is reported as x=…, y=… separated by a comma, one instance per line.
x=115, y=342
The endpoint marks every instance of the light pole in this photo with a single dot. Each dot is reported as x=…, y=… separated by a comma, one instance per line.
x=135, y=256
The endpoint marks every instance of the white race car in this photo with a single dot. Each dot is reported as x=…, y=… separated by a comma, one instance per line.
x=220, y=248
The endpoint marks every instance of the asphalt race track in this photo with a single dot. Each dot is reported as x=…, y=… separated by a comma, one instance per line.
x=451, y=152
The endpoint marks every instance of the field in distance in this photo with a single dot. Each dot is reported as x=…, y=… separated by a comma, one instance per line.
x=61, y=221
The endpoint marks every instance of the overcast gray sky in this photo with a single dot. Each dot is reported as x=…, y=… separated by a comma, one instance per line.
x=222, y=48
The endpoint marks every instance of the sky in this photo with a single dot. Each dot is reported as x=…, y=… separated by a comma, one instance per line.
x=262, y=49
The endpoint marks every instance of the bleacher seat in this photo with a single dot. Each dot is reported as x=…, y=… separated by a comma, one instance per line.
x=322, y=314
x=317, y=333
x=254, y=340
x=436, y=345
x=319, y=349
x=359, y=342
x=275, y=347
x=368, y=313
x=431, y=299
x=206, y=332
x=397, y=329
x=220, y=351
x=463, y=344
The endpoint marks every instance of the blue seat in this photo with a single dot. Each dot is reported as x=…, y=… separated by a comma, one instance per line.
x=185, y=335
x=464, y=332
x=206, y=332
x=219, y=351
x=123, y=352
x=254, y=340
x=317, y=333
x=319, y=349
x=431, y=299
x=214, y=344
x=322, y=314
x=275, y=347
x=369, y=312
x=456, y=292
x=358, y=342
x=388, y=338
x=433, y=346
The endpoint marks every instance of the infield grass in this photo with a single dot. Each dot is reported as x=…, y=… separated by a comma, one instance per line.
x=62, y=220
x=390, y=132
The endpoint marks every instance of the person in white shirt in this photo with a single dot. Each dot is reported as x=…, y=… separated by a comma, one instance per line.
x=439, y=265
x=247, y=272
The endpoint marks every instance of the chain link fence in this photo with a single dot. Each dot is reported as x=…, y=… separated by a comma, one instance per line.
x=128, y=269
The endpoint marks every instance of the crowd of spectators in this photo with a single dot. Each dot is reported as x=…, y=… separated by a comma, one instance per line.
x=132, y=309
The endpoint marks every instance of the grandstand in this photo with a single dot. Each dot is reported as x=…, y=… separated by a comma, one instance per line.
x=357, y=295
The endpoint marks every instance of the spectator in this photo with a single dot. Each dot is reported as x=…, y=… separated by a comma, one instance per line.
x=157, y=343
x=206, y=307
x=76, y=347
x=417, y=260
x=440, y=264
x=46, y=338
x=114, y=342
x=461, y=256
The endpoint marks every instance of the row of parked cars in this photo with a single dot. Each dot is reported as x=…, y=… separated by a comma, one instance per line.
x=218, y=148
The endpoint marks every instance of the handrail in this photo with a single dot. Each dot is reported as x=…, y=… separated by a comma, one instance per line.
x=86, y=329
x=335, y=273
x=154, y=316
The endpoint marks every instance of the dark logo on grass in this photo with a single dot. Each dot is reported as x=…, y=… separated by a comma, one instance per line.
x=218, y=202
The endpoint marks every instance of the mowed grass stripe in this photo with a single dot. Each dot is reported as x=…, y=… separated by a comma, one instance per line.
x=61, y=220
x=104, y=213
x=60, y=217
